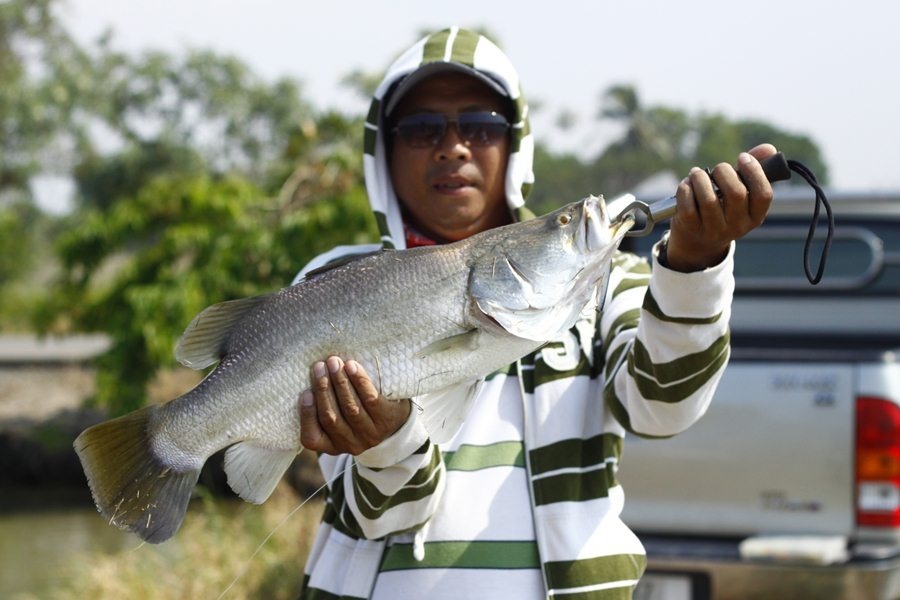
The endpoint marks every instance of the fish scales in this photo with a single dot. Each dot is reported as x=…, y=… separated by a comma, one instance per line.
x=331, y=311
x=425, y=323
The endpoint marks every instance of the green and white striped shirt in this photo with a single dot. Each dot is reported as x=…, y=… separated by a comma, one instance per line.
x=523, y=502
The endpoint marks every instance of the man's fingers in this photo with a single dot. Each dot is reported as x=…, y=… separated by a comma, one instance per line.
x=343, y=412
x=365, y=389
x=330, y=416
x=386, y=415
x=758, y=185
x=709, y=207
x=312, y=436
x=350, y=404
x=732, y=193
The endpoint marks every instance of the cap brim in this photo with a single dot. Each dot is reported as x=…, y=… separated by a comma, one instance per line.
x=430, y=69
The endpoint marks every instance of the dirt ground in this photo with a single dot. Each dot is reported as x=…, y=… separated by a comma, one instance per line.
x=37, y=393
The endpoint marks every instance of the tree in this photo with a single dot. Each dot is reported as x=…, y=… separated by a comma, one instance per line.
x=143, y=268
x=657, y=139
x=34, y=104
x=211, y=184
x=717, y=136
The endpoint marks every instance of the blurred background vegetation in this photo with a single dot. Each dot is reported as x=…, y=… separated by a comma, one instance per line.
x=188, y=180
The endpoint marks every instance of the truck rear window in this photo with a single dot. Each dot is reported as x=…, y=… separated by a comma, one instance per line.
x=864, y=258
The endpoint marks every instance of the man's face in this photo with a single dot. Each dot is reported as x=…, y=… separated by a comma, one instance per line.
x=455, y=188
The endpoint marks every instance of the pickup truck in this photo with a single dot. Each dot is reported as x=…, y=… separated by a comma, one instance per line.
x=789, y=486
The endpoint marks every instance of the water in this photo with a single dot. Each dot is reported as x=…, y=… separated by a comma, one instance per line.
x=51, y=539
x=38, y=545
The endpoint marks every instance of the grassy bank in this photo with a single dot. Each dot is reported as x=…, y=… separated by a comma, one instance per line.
x=214, y=547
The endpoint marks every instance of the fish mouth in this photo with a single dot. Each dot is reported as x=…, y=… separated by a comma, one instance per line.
x=621, y=226
x=597, y=232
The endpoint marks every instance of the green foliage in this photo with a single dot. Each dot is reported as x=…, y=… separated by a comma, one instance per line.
x=559, y=179
x=143, y=269
x=717, y=137
x=657, y=139
x=18, y=221
x=205, y=183
x=36, y=100
x=212, y=184
x=210, y=103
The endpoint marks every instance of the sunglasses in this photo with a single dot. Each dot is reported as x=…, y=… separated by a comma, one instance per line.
x=425, y=130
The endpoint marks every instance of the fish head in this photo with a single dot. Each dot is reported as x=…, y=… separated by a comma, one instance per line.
x=539, y=275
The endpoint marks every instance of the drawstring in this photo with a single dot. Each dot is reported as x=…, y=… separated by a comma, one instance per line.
x=419, y=542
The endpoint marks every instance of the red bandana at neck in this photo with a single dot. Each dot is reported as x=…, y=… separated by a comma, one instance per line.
x=415, y=238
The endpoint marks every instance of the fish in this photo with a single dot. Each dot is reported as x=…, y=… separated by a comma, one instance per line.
x=427, y=323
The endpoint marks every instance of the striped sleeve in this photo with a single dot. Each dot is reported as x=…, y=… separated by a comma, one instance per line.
x=667, y=342
x=395, y=486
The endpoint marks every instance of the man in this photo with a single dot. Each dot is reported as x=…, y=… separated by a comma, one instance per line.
x=523, y=501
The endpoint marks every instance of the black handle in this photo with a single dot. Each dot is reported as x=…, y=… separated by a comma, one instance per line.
x=776, y=168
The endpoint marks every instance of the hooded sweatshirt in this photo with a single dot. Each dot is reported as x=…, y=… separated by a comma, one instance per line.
x=523, y=502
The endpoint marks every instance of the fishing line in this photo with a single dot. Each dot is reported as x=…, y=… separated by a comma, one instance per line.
x=275, y=529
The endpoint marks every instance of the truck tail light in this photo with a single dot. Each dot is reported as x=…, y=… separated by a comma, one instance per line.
x=877, y=462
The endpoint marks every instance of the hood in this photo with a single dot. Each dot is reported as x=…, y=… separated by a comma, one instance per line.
x=463, y=47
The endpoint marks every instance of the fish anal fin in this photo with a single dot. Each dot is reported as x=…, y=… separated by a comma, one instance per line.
x=254, y=471
x=132, y=487
x=444, y=411
x=206, y=338
x=465, y=342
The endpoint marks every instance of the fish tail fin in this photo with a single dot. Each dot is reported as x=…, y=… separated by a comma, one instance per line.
x=131, y=485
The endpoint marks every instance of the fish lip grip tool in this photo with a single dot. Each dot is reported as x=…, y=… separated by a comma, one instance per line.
x=775, y=167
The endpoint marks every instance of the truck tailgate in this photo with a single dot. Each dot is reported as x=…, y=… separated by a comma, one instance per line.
x=773, y=454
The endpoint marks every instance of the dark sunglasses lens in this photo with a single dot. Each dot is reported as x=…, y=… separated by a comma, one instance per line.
x=482, y=129
x=422, y=130
x=477, y=128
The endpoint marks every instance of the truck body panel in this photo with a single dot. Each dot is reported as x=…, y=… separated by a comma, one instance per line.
x=789, y=485
x=794, y=475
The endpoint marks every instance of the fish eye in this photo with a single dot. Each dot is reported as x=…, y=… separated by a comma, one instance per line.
x=564, y=219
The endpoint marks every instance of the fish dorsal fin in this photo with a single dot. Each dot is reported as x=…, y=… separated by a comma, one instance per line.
x=254, y=471
x=444, y=411
x=206, y=337
x=344, y=260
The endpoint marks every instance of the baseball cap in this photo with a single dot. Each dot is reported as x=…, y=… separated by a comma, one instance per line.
x=433, y=68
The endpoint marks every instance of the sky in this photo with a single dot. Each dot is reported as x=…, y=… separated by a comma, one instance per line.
x=827, y=69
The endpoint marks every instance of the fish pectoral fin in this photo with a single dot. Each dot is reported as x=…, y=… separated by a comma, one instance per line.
x=466, y=342
x=254, y=471
x=132, y=486
x=205, y=340
x=444, y=411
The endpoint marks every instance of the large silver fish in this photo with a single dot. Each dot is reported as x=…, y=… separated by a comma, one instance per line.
x=426, y=323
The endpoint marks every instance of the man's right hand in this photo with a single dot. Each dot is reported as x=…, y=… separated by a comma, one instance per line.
x=343, y=412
